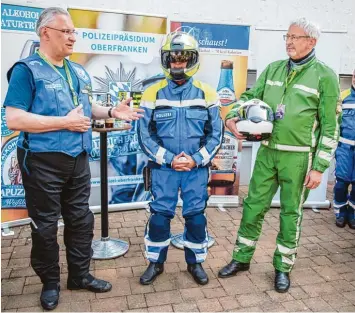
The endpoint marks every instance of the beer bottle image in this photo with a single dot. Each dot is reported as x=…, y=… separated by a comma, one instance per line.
x=109, y=123
x=99, y=123
x=224, y=169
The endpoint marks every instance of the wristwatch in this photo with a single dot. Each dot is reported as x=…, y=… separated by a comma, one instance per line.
x=109, y=112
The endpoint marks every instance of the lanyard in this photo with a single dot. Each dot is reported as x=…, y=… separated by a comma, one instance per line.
x=68, y=80
x=289, y=79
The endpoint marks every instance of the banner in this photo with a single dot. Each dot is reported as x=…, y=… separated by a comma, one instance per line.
x=224, y=66
x=19, y=41
x=121, y=54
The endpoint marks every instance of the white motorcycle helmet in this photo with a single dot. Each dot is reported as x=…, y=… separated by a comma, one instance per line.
x=255, y=120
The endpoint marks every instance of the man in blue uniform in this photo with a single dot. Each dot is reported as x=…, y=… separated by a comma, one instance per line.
x=344, y=203
x=180, y=133
x=49, y=101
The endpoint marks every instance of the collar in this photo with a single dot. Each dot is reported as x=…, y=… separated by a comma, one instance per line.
x=302, y=63
x=177, y=89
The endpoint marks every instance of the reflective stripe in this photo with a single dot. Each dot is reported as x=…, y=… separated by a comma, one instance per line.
x=166, y=102
x=200, y=257
x=287, y=147
x=246, y=241
x=192, y=245
x=348, y=106
x=220, y=141
x=287, y=260
x=161, y=244
x=325, y=155
x=336, y=211
x=307, y=89
x=147, y=104
x=212, y=104
x=292, y=148
x=160, y=155
x=274, y=83
x=180, y=104
x=337, y=205
x=314, y=139
x=194, y=102
x=205, y=155
x=298, y=225
x=152, y=255
x=347, y=141
x=329, y=142
x=285, y=250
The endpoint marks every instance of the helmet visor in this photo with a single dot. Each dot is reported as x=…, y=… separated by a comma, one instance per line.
x=256, y=113
x=181, y=56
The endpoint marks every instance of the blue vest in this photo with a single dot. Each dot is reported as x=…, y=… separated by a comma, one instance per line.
x=54, y=98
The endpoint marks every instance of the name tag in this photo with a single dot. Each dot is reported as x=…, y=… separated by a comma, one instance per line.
x=280, y=112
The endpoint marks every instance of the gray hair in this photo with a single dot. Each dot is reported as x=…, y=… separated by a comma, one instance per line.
x=48, y=16
x=310, y=28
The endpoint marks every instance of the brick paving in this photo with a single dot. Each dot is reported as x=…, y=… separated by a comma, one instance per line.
x=323, y=278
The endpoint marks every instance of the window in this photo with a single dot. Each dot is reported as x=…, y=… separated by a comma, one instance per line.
x=251, y=78
x=345, y=81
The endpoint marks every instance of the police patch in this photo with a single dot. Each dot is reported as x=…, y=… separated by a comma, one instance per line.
x=33, y=63
x=81, y=73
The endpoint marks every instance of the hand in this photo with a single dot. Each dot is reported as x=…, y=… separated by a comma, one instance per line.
x=313, y=179
x=77, y=121
x=124, y=112
x=231, y=124
x=183, y=165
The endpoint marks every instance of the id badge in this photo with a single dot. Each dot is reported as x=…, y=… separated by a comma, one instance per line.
x=280, y=112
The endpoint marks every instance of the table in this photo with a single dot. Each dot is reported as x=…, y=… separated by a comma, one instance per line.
x=107, y=247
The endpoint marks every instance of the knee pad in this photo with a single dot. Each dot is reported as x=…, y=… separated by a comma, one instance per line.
x=195, y=221
x=341, y=185
x=159, y=227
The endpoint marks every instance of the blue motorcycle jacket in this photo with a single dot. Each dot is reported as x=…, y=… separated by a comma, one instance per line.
x=345, y=153
x=180, y=118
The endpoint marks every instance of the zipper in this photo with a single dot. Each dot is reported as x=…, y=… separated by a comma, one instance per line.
x=179, y=129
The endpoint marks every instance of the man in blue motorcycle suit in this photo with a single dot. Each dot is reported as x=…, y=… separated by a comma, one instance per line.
x=181, y=132
x=344, y=201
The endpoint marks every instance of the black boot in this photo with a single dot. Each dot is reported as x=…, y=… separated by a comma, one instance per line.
x=90, y=283
x=50, y=296
x=351, y=217
x=340, y=221
x=282, y=281
x=351, y=223
x=198, y=273
x=151, y=273
x=233, y=268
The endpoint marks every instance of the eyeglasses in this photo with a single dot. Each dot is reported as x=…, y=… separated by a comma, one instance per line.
x=67, y=32
x=293, y=37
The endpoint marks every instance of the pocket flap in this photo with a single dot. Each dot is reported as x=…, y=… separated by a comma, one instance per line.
x=197, y=114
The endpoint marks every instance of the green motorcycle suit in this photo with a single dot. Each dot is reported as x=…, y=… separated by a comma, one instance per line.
x=304, y=139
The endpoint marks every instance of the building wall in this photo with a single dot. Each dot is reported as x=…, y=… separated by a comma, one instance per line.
x=267, y=18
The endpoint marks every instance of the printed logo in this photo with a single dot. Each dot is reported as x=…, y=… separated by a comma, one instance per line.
x=118, y=90
x=82, y=74
x=54, y=86
x=33, y=63
x=164, y=115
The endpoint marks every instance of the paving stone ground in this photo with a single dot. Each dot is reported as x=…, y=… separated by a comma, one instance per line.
x=323, y=278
